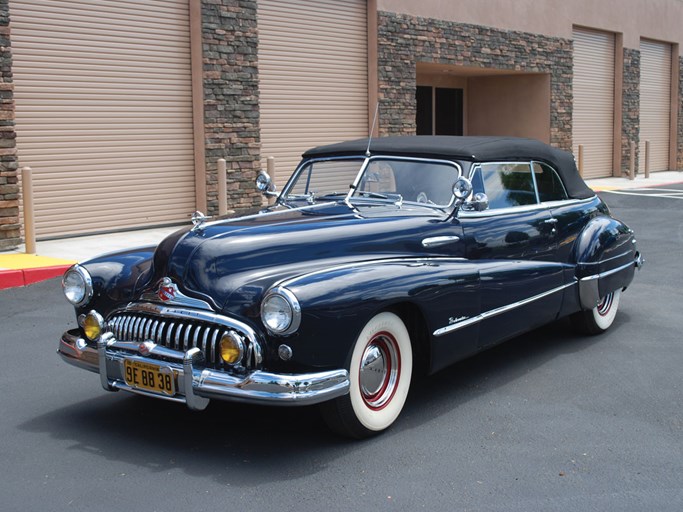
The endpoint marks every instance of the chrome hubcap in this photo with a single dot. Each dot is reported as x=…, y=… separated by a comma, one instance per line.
x=379, y=370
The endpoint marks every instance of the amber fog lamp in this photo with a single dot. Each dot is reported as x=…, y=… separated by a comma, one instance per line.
x=231, y=348
x=93, y=325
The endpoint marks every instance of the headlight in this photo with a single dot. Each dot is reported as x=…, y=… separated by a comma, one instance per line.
x=280, y=311
x=77, y=285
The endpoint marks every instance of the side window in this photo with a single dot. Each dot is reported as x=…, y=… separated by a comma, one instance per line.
x=550, y=187
x=506, y=185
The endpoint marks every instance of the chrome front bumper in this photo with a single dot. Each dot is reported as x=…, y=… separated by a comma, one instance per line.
x=197, y=385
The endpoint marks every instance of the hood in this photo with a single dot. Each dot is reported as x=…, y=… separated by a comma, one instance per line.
x=233, y=262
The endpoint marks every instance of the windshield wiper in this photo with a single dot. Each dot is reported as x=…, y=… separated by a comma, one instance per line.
x=373, y=195
x=332, y=195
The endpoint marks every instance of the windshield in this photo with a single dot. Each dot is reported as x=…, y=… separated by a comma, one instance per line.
x=387, y=179
x=323, y=178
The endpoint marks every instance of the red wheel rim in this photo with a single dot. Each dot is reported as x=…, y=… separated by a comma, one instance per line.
x=380, y=370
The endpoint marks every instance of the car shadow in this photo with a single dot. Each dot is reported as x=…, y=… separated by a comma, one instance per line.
x=248, y=445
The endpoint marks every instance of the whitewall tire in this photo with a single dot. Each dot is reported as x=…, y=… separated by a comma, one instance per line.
x=379, y=374
x=601, y=317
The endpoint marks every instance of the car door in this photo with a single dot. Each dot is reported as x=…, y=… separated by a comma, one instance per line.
x=514, y=240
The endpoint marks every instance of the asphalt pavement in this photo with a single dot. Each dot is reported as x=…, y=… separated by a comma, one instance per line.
x=547, y=421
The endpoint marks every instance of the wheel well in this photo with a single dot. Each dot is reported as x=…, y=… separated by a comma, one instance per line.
x=416, y=324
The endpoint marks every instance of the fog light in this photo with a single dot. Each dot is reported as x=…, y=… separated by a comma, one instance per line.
x=231, y=348
x=93, y=324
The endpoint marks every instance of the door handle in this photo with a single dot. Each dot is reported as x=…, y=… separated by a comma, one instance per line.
x=438, y=241
x=551, y=220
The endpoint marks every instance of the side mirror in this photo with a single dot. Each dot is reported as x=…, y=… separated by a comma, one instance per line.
x=462, y=188
x=265, y=184
x=479, y=203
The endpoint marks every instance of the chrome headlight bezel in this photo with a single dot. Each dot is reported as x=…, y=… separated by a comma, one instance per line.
x=82, y=283
x=288, y=305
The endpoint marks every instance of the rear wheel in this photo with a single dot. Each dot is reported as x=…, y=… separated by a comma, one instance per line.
x=379, y=373
x=600, y=318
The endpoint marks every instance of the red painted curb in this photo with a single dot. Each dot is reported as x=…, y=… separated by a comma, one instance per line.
x=11, y=278
x=27, y=276
x=35, y=275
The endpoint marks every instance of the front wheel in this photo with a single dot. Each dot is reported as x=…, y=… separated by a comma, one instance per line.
x=600, y=318
x=380, y=371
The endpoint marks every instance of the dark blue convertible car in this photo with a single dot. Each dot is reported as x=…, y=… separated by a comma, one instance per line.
x=377, y=260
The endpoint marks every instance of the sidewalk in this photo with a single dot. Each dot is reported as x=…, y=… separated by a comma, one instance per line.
x=55, y=256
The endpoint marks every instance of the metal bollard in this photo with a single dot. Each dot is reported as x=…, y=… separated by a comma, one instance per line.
x=29, y=220
x=647, y=158
x=632, y=164
x=222, y=187
x=580, y=162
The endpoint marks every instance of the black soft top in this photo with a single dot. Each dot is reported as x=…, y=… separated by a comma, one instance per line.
x=473, y=149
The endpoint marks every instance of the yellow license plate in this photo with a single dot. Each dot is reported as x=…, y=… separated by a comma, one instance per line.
x=150, y=377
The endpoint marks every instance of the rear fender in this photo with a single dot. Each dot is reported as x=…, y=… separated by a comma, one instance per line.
x=606, y=258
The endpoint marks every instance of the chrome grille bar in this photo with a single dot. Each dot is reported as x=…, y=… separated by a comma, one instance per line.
x=176, y=334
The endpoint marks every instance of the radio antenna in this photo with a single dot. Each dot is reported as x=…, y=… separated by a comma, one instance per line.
x=372, y=130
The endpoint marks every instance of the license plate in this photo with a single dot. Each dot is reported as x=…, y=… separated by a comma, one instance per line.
x=150, y=377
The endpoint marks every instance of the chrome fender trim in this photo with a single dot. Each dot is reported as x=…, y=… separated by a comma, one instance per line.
x=589, y=293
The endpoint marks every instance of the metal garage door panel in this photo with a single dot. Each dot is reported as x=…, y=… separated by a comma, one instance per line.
x=313, y=81
x=104, y=112
x=593, y=85
x=655, y=103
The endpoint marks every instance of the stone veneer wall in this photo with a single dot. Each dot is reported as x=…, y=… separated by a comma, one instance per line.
x=231, y=100
x=404, y=40
x=630, y=125
x=9, y=188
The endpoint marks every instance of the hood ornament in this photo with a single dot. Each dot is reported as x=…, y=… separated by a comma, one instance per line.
x=167, y=290
x=198, y=220
x=167, y=293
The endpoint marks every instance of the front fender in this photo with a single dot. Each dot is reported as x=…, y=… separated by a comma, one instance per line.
x=606, y=257
x=336, y=303
x=117, y=277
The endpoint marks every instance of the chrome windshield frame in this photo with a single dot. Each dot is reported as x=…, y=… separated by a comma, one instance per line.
x=366, y=160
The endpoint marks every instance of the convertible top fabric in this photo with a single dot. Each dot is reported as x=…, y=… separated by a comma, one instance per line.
x=473, y=149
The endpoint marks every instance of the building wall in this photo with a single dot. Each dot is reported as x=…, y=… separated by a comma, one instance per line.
x=9, y=188
x=653, y=19
x=231, y=100
x=516, y=37
x=513, y=105
x=404, y=39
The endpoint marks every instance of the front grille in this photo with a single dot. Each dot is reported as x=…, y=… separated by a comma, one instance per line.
x=173, y=333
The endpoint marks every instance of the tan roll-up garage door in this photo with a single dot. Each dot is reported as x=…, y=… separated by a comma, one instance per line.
x=104, y=112
x=655, y=103
x=313, y=83
x=593, y=85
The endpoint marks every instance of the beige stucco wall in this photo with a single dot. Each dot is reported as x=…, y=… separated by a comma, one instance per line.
x=653, y=19
x=516, y=106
